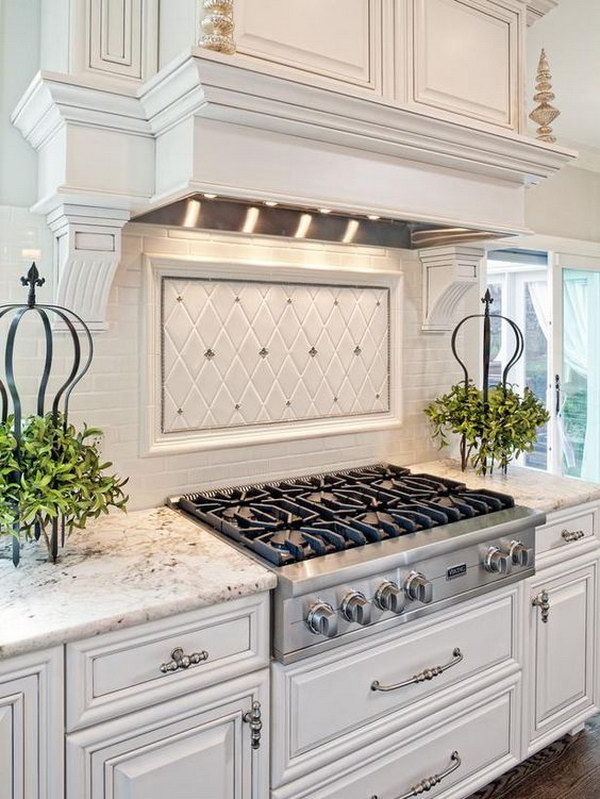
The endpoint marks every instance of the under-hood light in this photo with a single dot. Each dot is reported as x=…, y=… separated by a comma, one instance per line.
x=192, y=213
x=252, y=215
x=303, y=226
x=351, y=230
x=271, y=204
x=373, y=217
x=210, y=196
x=324, y=210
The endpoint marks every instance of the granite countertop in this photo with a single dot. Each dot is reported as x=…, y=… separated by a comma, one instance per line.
x=530, y=487
x=122, y=570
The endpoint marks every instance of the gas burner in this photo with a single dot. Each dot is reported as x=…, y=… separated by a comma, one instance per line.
x=308, y=517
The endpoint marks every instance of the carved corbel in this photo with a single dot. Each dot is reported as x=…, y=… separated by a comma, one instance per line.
x=448, y=274
x=87, y=251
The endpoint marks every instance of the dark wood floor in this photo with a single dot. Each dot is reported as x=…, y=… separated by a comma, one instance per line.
x=567, y=769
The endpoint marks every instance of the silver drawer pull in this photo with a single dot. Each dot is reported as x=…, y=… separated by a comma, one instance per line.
x=179, y=660
x=572, y=535
x=423, y=676
x=542, y=601
x=430, y=782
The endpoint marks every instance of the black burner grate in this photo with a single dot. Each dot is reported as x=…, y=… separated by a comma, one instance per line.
x=308, y=517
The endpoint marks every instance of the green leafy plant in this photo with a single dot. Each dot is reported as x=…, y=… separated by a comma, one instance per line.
x=55, y=473
x=493, y=433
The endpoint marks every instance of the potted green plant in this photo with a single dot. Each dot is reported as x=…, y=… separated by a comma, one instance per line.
x=493, y=432
x=54, y=474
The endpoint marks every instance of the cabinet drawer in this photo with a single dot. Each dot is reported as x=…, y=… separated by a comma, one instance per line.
x=322, y=704
x=118, y=672
x=482, y=732
x=566, y=530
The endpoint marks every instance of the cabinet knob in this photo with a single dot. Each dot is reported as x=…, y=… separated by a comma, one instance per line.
x=390, y=596
x=520, y=554
x=322, y=619
x=419, y=588
x=356, y=607
x=496, y=561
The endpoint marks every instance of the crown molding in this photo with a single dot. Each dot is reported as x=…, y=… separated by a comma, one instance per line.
x=536, y=9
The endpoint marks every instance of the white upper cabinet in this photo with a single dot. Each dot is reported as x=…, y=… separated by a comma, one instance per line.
x=339, y=40
x=466, y=59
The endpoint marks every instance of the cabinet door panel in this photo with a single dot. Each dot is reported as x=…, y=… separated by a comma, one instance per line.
x=466, y=59
x=563, y=651
x=197, y=746
x=339, y=39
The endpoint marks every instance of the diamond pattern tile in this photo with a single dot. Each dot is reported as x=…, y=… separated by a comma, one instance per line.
x=239, y=353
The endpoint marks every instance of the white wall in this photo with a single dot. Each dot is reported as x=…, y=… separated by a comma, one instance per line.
x=566, y=205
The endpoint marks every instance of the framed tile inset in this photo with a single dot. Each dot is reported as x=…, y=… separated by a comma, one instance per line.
x=241, y=354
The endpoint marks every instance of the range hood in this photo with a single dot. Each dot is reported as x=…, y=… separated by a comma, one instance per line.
x=209, y=131
x=202, y=212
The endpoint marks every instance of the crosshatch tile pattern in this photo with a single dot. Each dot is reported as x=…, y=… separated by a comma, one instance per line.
x=239, y=353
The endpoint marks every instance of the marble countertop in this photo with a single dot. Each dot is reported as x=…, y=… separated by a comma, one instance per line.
x=530, y=487
x=122, y=570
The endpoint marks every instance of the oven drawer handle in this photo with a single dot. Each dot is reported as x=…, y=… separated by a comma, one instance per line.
x=572, y=535
x=422, y=676
x=181, y=661
x=430, y=782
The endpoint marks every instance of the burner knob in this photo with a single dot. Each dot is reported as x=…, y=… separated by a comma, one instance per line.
x=322, y=619
x=419, y=588
x=356, y=607
x=496, y=561
x=390, y=596
x=520, y=554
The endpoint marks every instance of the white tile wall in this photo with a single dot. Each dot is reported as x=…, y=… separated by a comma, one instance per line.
x=110, y=394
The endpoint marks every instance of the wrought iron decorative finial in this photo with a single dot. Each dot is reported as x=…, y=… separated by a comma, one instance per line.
x=544, y=113
x=32, y=280
x=487, y=300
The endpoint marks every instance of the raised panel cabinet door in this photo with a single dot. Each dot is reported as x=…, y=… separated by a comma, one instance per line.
x=192, y=748
x=31, y=726
x=564, y=641
x=338, y=39
x=466, y=59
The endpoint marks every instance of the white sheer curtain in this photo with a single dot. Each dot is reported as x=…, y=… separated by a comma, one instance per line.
x=581, y=350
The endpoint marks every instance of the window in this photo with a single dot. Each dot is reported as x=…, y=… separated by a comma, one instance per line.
x=518, y=283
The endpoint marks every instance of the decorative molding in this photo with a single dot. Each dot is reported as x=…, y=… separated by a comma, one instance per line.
x=536, y=9
x=448, y=274
x=87, y=250
x=272, y=422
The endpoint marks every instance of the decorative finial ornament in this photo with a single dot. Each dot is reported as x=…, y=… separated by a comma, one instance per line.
x=217, y=26
x=544, y=113
x=32, y=280
x=487, y=300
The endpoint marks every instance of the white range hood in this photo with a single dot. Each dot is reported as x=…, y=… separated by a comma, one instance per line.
x=112, y=146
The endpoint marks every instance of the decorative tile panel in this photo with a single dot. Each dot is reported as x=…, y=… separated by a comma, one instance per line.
x=236, y=354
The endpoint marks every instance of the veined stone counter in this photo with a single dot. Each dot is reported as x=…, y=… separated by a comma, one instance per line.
x=122, y=570
x=529, y=487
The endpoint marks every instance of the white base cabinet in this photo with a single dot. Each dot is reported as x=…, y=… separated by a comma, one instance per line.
x=199, y=746
x=31, y=726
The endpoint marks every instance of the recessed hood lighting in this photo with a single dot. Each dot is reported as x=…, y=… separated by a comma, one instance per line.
x=280, y=220
x=303, y=226
x=324, y=210
x=192, y=213
x=252, y=215
x=351, y=230
x=210, y=196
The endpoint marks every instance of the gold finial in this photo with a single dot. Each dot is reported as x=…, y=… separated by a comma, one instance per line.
x=217, y=26
x=544, y=113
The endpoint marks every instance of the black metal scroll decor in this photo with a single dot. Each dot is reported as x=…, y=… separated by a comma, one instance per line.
x=58, y=405
x=488, y=300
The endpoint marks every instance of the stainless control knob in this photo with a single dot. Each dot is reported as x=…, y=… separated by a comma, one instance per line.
x=322, y=619
x=520, y=554
x=418, y=588
x=356, y=607
x=390, y=596
x=496, y=561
